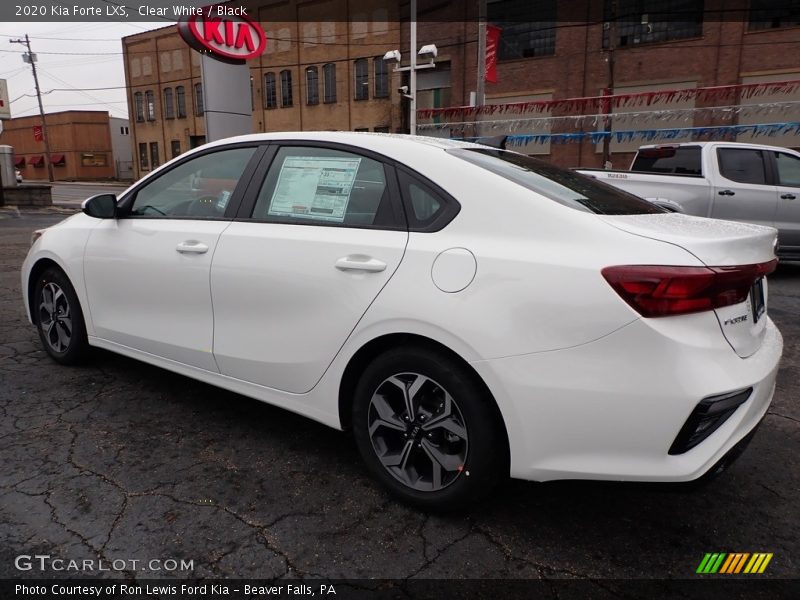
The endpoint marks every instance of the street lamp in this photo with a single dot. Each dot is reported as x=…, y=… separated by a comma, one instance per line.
x=429, y=50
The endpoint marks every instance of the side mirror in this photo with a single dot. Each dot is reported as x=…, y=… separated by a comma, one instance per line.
x=102, y=206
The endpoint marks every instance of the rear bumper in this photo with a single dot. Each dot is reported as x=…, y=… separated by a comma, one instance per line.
x=612, y=409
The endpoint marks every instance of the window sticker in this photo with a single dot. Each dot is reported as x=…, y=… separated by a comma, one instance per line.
x=314, y=187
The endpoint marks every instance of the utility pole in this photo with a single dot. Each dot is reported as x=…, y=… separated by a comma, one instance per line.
x=412, y=75
x=31, y=58
x=480, y=84
x=612, y=33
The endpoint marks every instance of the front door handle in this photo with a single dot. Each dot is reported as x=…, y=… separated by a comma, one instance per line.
x=360, y=262
x=726, y=193
x=191, y=247
x=788, y=197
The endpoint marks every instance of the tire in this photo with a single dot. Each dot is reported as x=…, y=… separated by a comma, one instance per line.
x=59, y=319
x=450, y=450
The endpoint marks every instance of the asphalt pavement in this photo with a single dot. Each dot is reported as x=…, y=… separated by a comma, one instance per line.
x=121, y=460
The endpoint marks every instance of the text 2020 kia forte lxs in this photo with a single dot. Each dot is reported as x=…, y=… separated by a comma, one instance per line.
x=467, y=312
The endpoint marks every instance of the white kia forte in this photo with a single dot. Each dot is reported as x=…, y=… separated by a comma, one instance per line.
x=468, y=313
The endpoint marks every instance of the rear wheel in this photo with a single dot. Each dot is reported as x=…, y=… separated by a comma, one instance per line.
x=58, y=318
x=427, y=429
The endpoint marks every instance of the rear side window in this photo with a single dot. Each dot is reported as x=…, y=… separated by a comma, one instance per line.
x=565, y=187
x=683, y=160
x=742, y=165
x=788, y=169
x=324, y=186
x=427, y=209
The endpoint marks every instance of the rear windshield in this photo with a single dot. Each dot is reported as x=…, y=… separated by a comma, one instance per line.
x=566, y=187
x=684, y=160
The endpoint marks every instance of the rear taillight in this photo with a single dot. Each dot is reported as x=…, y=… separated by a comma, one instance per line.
x=658, y=291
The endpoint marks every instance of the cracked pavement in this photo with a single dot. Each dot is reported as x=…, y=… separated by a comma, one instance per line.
x=121, y=460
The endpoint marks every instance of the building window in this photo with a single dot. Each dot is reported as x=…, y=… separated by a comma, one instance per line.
x=150, y=105
x=381, y=78
x=169, y=104
x=361, y=72
x=139, y=103
x=91, y=159
x=143, y=163
x=175, y=148
x=180, y=98
x=648, y=21
x=270, y=91
x=312, y=86
x=198, y=99
x=329, y=83
x=124, y=131
x=154, y=154
x=771, y=14
x=528, y=28
x=286, y=88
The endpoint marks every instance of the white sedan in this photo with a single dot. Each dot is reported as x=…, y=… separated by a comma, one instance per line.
x=468, y=313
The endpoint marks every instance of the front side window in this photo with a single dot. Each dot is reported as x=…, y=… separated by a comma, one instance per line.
x=381, y=78
x=361, y=73
x=138, y=101
x=322, y=186
x=199, y=188
x=198, y=98
x=788, y=169
x=169, y=104
x=329, y=75
x=742, y=165
x=561, y=185
x=180, y=97
x=270, y=91
x=286, y=88
x=150, y=105
x=312, y=86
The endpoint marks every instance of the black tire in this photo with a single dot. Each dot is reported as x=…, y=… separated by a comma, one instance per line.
x=58, y=318
x=471, y=439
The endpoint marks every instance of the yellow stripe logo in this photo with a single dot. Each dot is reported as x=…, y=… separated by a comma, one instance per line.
x=734, y=563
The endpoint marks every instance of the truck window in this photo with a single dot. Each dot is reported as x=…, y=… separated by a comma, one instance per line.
x=561, y=185
x=683, y=160
x=788, y=169
x=742, y=164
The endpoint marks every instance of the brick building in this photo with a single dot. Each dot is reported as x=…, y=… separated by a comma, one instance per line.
x=322, y=68
x=80, y=145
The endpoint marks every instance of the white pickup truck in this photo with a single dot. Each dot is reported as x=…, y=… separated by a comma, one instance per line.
x=723, y=180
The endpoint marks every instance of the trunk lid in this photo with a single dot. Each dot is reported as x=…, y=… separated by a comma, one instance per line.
x=716, y=243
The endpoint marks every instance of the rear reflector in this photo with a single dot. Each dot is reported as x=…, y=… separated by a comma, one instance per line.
x=706, y=418
x=659, y=291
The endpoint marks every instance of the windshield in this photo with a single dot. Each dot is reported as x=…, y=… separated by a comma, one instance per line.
x=566, y=187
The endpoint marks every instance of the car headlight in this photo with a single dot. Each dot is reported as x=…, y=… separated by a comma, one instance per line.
x=36, y=235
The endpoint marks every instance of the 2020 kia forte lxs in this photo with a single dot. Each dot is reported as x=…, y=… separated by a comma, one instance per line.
x=467, y=312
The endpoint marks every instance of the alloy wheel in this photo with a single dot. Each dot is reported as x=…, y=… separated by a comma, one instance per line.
x=55, y=319
x=417, y=432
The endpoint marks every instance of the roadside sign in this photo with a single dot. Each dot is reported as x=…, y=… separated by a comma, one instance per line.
x=5, y=105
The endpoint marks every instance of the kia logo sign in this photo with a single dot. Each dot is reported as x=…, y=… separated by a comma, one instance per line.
x=233, y=39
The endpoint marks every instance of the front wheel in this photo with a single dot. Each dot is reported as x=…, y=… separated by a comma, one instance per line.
x=428, y=430
x=58, y=318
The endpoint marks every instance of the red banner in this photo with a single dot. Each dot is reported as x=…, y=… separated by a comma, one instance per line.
x=37, y=133
x=492, y=42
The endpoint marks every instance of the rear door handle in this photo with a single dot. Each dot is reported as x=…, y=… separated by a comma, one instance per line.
x=191, y=247
x=726, y=193
x=360, y=262
x=788, y=197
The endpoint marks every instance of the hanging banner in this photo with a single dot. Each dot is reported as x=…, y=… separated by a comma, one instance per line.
x=596, y=103
x=37, y=133
x=492, y=44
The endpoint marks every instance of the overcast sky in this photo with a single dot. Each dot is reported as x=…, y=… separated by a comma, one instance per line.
x=85, y=55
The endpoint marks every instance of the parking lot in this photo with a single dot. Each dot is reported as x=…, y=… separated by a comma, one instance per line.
x=121, y=460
